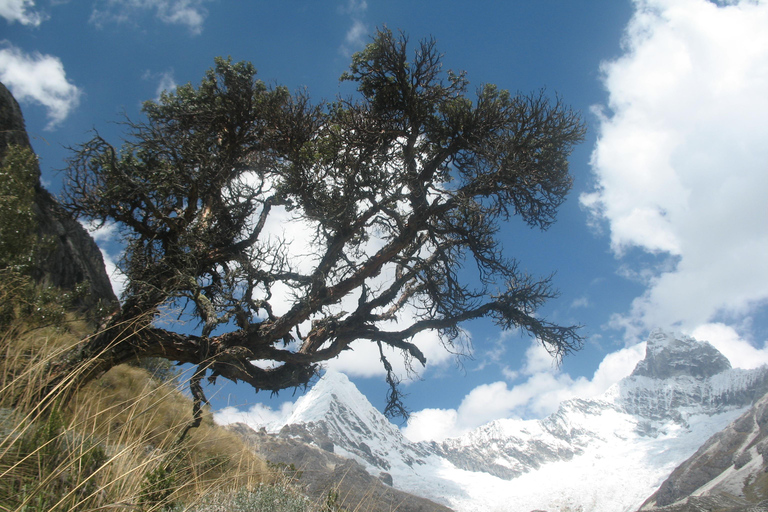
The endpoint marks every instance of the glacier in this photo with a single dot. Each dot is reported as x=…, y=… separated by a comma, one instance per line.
x=603, y=454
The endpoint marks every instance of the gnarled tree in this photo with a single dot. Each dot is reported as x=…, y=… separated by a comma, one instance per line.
x=400, y=186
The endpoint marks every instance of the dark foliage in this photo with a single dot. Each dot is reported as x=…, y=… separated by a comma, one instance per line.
x=402, y=185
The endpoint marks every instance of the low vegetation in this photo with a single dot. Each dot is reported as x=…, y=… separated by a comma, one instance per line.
x=116, y=443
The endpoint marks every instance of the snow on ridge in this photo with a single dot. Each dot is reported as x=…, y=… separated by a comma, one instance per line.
x=627, y=439
x=316, y=404
x=660, y=339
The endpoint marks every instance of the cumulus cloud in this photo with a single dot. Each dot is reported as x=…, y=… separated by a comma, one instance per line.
x=21, y=11
x=105, y=236
x=363, y=360
x=297, y=235
x=540, y=394
x=165, y=82
x=40, y=79
x=681, y=158
x=189, y=13
x=257, y=416
x=740, y=351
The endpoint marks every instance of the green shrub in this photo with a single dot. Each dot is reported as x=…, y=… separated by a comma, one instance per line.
x=18, y=177
x=157, y=489
x=266, y=498
x=48, y=467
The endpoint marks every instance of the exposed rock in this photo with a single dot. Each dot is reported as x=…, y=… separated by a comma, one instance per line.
x=12, y=129
x=620, y=444
x=667, y=355
x=73, y=257
x=725, y=473
x=322, y=471
x=714, y=504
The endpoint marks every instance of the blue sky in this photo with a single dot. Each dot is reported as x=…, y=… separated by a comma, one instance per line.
x=667, y=224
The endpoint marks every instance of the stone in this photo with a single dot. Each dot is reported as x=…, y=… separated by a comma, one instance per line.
x=71, y=256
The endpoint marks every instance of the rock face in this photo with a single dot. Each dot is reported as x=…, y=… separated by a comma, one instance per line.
x=667, y=357
x=12, y=129
x=319, y=471
x=605, y=454
x=728, y=472
x=74, y=257
x=680, y=375
x=335, y=413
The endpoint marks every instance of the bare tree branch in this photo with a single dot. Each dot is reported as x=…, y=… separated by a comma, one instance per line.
x=401, y=186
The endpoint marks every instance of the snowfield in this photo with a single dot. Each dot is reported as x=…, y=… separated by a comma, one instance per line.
x=607, y=454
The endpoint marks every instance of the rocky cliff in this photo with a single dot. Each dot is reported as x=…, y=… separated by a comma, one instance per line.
x=71, y=256
x=319, y=471
x=729, y=472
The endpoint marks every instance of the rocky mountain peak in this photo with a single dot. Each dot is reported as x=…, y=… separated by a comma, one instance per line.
x=334, y=413
x=628, y=440
x=72, y=257
x=332, y=391
x=669, y=355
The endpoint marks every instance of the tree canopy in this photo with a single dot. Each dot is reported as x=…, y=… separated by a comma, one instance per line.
x=403, y=187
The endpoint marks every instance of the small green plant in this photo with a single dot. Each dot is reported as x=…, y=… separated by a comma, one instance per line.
x=265, y=498
x=332, y=503
x=289, y=471
x=157, y=489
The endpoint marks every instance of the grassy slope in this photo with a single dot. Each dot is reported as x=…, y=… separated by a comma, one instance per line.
x=115, y=443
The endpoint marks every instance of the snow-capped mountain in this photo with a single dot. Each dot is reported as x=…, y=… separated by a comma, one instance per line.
x=602, y=454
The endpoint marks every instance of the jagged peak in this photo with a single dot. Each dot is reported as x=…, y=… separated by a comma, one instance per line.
x=333, y=387
x=669, y=355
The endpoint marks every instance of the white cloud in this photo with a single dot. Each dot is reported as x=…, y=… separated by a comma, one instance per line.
x=680, y=163
x=256, y=416
x=353, y=7
x=105, y=236
x=739, y=351
x=39, y=79
x=363, y=360
x=581, y=302
x=538, y=396
x=432, y=425
x=117, y=279
x=20, y=10
x=538, y=360
x=356, y=35
x=189, y=13
x=165, y=82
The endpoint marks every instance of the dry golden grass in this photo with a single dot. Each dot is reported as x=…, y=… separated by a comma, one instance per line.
x=114, y=445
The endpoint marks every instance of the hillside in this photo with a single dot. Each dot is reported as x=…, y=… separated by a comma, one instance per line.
x=116, y=443
x=728, y=472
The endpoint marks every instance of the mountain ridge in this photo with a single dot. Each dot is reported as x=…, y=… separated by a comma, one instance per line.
x=629, y=439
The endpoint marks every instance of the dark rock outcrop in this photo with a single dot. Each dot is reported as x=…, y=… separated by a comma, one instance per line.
x=669, y=356
x=322, y=471
x=728, y=472
x=71, y=257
